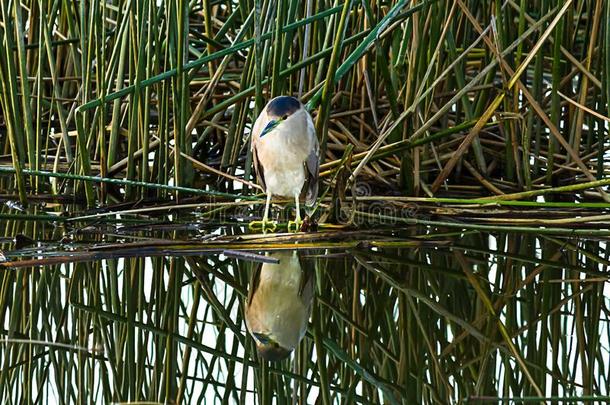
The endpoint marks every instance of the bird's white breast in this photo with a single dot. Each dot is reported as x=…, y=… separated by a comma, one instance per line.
x=282, y=153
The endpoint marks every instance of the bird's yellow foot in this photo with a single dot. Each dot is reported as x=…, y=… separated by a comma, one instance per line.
x=295, y=226
x=263, y=226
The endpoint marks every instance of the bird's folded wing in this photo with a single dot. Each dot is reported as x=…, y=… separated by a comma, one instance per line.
x=313, y=166
x=254, y=139
x=258, y=168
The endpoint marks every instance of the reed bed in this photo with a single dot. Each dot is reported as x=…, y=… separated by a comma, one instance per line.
x=460, y=252
x=460, y=99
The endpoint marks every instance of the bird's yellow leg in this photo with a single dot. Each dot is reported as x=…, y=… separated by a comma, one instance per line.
x=295, y=226
x=265, y=224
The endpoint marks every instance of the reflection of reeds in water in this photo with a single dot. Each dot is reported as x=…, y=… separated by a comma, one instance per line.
x=471, y=316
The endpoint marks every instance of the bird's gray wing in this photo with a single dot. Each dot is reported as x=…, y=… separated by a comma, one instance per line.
x=313, y=166
x=254, y=139
x=258, y=168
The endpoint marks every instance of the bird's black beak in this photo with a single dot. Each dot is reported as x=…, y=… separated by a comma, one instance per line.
x=270, y=126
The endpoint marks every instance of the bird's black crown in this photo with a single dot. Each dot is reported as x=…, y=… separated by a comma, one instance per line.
x=283, y=106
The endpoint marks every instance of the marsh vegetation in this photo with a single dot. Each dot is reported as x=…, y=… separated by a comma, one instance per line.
x=459, y=241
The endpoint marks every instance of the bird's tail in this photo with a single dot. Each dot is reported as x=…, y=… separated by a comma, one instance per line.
x=313, y=170
x=311, y=196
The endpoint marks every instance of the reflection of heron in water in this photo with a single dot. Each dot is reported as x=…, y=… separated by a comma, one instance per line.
x=279, y=305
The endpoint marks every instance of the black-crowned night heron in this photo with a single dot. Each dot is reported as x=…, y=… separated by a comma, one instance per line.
x=279, y=305
x=286, y=154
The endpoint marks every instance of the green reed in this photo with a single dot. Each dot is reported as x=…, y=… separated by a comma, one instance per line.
x=126, y=90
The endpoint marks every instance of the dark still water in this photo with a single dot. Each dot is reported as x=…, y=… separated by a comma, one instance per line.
x=124, y=308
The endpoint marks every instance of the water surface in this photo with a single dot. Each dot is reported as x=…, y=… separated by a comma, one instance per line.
x=151, y=308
